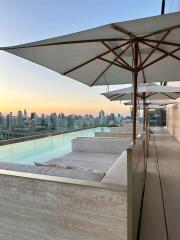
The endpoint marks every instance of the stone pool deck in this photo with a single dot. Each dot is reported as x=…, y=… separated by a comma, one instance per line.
x=161, y=207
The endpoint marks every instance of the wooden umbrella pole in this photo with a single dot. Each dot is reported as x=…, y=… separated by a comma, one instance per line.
x=144, y=113
x=135, y=75
x=147, y=130
x=145, y=125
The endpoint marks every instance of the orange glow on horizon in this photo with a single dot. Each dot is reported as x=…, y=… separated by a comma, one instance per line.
x=65, y=107
x=23, y=88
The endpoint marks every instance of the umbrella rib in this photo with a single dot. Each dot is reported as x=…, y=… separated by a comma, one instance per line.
x=162, y=30
x=117, y=55
x=123, y=51
x=119, y=63
x=151, y=94
x=143, y=72
x=139, y=95
x=92, y=59
x=92, y=84
x=160, y=58
x=64, y=43
x=114, y=95
x=105, y=69
x=122, y=30
x=155, y=48
x=168, y=96
x=161, y=50
x=132, y=49
x=103, y=72
x=113, y=63
x=118, y=97
x=156, y=41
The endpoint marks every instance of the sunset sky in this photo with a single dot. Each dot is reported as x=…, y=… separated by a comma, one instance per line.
x=27, y=85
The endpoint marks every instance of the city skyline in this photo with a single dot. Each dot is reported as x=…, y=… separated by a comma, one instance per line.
x=27, y=113
x=25, y=124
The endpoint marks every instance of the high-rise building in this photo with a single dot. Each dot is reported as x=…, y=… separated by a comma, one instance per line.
x=9, y=122
x=102, y=118
x=25, y=114
x=2, y=121
x=32, y=125
x=43, y=120
x=19, y=120
x=33, y=115
x=53, y=120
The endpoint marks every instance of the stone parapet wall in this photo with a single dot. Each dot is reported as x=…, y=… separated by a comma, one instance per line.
x=44, y=207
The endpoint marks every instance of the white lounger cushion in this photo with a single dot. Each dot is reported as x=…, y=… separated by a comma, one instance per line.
x=54, y=171
x=98, y=161
x=67, y=167
x=117, y=174
x=100, y=145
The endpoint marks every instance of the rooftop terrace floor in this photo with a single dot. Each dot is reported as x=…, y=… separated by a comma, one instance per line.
x=161, y=206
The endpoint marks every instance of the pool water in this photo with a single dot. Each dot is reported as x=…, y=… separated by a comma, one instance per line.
x=43, y=149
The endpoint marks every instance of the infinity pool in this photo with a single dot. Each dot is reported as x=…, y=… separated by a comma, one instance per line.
x=43, y=149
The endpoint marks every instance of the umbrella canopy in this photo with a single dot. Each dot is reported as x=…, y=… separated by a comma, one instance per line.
x=106, y=55
x=147, y=91
x=162, y=102
x=150, y=104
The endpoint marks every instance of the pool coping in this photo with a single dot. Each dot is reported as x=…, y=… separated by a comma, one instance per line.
x=64, y=180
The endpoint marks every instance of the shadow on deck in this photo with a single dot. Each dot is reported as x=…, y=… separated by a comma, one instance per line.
x=161, y=207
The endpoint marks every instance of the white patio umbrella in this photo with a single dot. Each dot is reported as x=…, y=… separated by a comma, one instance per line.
x=150, y=91
x=161, y=102
x=142, y=50
x=150, y=106
x=153, y=104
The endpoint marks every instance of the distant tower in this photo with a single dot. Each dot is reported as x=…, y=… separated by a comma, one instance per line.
x=25, y=114
x=32, y=125
x=10, y=122
x=33, y=115
x=48, y=123
x=19, y=119
x=102, y=118
x=1, y=120
x=53, y=120
x=43, y=120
